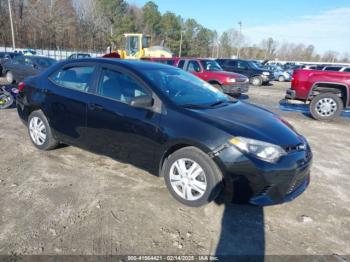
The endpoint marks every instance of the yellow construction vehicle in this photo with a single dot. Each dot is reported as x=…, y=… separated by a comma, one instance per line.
x=137, y=46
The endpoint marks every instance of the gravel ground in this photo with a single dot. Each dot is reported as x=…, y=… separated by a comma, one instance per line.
x=69, y=201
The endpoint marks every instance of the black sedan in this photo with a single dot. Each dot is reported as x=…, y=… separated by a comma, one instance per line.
x=20, y=67
x=169, y=122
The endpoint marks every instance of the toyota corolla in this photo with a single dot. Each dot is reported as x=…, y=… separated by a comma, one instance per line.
x=170, y=123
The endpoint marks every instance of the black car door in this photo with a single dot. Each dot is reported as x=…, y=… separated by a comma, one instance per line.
x=118, y=129
x=67, y=95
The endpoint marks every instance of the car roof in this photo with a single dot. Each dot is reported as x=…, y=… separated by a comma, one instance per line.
x=131, y=64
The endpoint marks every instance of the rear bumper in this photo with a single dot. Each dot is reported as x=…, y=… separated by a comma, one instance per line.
x=290, y=94
x=237, y=88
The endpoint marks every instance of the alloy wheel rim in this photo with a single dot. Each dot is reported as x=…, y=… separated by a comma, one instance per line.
x=9, y=77
x=256, y=81
x=326, y=106
x=188, y=179
x=37, y=131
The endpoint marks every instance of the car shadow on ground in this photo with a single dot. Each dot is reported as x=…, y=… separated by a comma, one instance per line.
x=242, y=236
x=243, y=97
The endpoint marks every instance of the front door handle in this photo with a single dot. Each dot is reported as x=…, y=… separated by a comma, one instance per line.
x=95, y=107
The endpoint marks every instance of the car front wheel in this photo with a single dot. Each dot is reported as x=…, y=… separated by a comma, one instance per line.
x=256, y=81
x=9, y=77
x=40, y=132
x=192, y=177
x=326, y=106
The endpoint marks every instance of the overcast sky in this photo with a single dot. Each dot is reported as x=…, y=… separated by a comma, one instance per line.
x=323, y=23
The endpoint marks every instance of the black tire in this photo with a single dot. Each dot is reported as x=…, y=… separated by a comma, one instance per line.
x=218, y=87
x=335, y=106
x=281, y=79
x=256, y=81
x=49, y=142
x=9, y=77
x=211, y=172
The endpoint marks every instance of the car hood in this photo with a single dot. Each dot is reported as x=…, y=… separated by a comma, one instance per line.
x=228, y=74
x=246, y=120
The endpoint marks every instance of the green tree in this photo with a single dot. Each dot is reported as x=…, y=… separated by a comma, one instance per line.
x=225, y=46
x=151, y=18
x=171, y=29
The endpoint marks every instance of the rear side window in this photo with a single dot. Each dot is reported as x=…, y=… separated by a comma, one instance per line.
x=347, y=69
x=181, y=64
x=77, y=78
x=332, y=68
x=231, y=63
x=119, y=86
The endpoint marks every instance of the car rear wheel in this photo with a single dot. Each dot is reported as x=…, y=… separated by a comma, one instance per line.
x=326, y=106
x=281, y=79
x=9, y=77
x=192, y=177
x=256, y=81
x=40, y=132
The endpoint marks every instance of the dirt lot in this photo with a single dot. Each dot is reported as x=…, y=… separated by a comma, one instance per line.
x=69, y=201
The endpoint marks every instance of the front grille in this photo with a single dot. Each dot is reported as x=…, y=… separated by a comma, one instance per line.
x=264, y=191
x=241, y=80
x=296, y=183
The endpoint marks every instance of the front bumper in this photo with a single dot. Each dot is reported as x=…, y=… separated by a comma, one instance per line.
x=267, y=78
x=260, y=183
x=237, y=88
x=290, y=94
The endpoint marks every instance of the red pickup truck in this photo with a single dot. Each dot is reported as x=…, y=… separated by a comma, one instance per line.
x=327, y=92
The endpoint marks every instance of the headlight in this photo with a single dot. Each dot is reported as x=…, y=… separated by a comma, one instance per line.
x=263, y=150
x=266, y=73
x=231, y=80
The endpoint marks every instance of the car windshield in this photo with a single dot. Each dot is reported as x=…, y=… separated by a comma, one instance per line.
x=185, y=89
x=210, y=65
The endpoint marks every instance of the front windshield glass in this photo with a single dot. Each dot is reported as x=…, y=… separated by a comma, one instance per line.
x=210, y=65
x=185, y=89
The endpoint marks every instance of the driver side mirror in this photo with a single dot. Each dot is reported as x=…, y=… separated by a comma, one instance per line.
x=142, y=102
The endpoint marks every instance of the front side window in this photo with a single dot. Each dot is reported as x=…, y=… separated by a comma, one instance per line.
x=119, y=86
x=184, y=89
x=210, y=65
x=77, y=78
x=347, y=69
x=193, y=66
x=242, y=64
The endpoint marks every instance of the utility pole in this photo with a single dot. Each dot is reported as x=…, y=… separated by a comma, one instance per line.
x=11, y=22
x=180, y=51
x=239, y=39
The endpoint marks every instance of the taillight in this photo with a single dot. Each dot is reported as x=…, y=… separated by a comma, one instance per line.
x=21, y=86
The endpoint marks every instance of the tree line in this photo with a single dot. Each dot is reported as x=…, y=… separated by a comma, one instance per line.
x=93, y=25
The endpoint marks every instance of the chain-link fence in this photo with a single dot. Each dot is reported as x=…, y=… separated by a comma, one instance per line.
x=55, y=54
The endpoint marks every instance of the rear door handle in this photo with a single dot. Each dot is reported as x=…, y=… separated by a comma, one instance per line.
x=95, y=107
